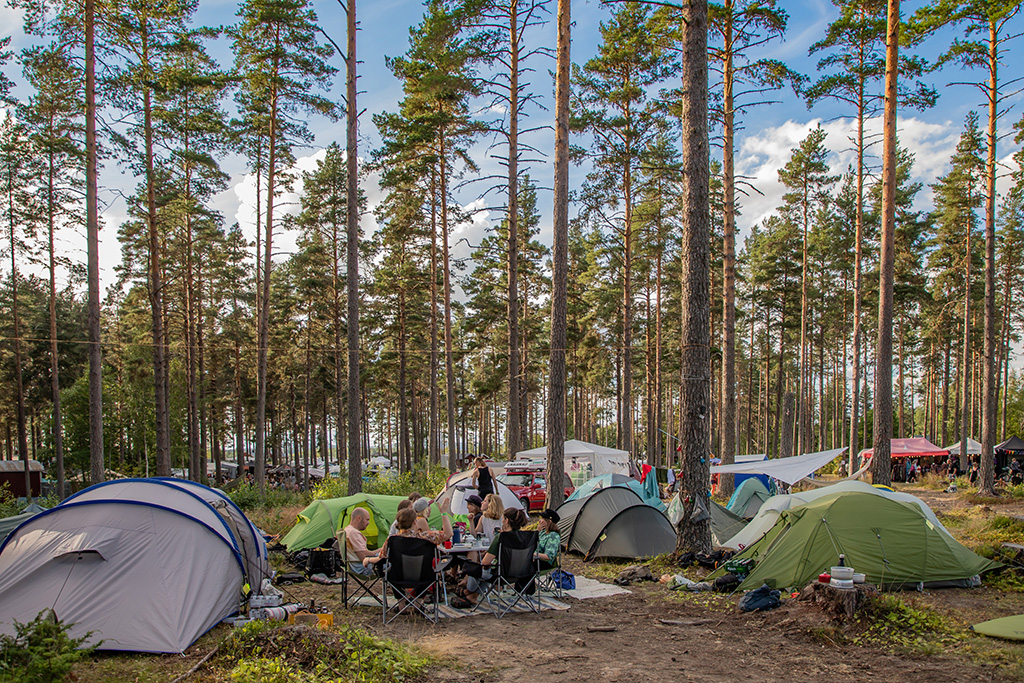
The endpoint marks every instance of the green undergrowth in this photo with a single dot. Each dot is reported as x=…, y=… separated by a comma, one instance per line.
x=902, y=624
x=264, y=652
x=40, y=651
x=983, y=531
x=250, y=497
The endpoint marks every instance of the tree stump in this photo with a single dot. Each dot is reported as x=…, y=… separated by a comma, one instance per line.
x=839, y=603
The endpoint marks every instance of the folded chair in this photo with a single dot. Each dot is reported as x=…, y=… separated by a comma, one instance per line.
x=413, y=571
x=516, y=570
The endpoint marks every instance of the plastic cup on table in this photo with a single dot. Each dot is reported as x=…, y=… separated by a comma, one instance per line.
x=447, y=545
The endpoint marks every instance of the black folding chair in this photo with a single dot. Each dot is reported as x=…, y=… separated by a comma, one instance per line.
x=516, y=570
x=413, y=572
x=365, y=584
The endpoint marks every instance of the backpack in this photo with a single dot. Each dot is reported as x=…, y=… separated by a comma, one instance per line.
x=764, y=598
x=563, y=579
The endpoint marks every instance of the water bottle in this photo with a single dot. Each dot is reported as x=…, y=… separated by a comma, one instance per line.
x=456, y=534
x=842, y=560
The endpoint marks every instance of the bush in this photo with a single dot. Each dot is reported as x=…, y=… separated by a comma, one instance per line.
x=41, y=651
x=331, y=487
x=249, y=497
x=264, y=651
x=8, y=503
x=429, y=482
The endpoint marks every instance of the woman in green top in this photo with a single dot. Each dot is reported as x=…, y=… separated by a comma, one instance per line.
x=549, y=540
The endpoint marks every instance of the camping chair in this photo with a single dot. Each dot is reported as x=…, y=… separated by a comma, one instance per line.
x=413, y=570
x=546, y=578
x=517, y=570
x=364, y=584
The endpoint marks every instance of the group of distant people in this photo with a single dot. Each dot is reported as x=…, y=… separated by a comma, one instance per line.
x=487, y=518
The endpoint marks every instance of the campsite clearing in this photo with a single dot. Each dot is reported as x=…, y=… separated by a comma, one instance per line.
x=918, y=637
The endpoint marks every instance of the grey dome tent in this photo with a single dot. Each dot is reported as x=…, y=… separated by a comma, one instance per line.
x=615, y=522
x=146, y=565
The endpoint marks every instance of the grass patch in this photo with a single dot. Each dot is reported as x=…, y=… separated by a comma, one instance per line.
x=902, y=624
x=264, y=652
x=983, y=531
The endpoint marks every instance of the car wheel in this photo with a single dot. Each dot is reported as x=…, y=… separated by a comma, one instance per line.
x=525, y=502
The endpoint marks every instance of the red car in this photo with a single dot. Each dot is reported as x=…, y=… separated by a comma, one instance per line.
x=530, y=487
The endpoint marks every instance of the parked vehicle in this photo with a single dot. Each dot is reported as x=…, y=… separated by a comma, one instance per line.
x=530, y=486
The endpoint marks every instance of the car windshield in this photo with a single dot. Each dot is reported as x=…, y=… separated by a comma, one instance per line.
x=516, y=479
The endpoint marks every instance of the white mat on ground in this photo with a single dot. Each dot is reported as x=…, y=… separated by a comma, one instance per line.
x=591, y=588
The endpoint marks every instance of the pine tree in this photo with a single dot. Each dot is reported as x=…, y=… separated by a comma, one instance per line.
x=281, y=65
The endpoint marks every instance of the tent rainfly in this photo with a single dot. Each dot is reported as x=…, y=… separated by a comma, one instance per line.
x=460, y=487
x=893, y=542
x=1007, y=628
x=614, y=523
x=790, y=470
x=580, y=454
x=773, y=508
x=591, y=486
x=321, y=519
x=973, y=447
x=143, y=565
x=747, y=498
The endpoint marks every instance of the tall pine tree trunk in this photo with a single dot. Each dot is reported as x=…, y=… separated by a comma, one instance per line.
x=881, y=460
x=449, y=359
x=515, y=427
x=560, y=265
x=58, y=419
x=986, y=479
x=695, y=437
x=355, y=470
x=92, y=228
x=728, y=412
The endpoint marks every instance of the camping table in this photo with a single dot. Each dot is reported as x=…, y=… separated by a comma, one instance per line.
x=464, y=549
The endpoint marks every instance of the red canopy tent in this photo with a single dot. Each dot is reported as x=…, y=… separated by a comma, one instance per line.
x=916, y=447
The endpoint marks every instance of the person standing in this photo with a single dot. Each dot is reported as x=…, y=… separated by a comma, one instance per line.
x=483, y=478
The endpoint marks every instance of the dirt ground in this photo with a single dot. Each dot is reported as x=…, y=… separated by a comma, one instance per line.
x=715, y=641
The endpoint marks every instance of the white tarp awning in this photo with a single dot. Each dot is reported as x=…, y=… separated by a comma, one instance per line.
x=790, y=470
x=973, y=447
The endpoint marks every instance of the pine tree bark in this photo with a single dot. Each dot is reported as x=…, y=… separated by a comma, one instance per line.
x=560, y=265
x=728, y=412
x=857, y=273
x=514, y=427
x=695, y=435
x=355, y=470
x=881, y=461
x=986, y=478
x=19, y=386
x=92, y=228
x=58, y=418
x=263, y=314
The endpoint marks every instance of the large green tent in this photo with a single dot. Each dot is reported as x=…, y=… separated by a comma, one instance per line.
x=322, y=518
x=892, y=542
x=1009, y=628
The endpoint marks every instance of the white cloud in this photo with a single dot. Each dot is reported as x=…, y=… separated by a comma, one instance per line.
x=762, y=154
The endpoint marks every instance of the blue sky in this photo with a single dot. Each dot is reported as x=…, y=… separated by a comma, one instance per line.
x=762, y=147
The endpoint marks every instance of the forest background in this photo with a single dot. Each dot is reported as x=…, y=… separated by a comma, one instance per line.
x=186, y=171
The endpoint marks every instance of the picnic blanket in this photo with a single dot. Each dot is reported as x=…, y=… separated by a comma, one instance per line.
x=590, y=588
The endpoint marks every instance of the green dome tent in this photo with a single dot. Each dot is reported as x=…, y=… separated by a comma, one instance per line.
x=893, y=542
x=747, y=498
x=322, y=518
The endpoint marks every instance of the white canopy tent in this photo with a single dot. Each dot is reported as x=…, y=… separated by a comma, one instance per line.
x=973, y=447
x=587, y=458
x=789, y=470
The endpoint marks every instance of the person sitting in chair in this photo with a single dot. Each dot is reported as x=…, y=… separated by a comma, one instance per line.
x=406, y=523
x=514, y=519
x=355, y=542
x=549, y=540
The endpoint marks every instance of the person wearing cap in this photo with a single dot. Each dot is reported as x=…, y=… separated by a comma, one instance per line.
x=422, y=508
x=474, y=504
x=549, y=540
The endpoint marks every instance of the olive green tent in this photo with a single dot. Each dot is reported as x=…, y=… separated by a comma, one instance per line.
x=892, y=542
x=1010, y=628
x=322, y=518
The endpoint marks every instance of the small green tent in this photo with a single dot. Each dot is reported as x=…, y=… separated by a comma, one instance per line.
x=747, y=498
x=322, y=518
x=892, y=542
x=1009, y=628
